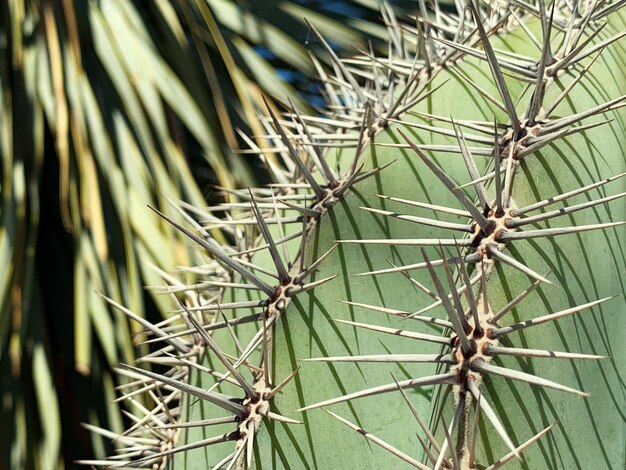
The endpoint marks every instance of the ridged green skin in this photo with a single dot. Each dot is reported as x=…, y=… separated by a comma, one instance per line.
x=590, y=432
x=585, y=267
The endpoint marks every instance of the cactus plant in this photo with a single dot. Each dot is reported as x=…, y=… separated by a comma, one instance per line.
x=434, y=265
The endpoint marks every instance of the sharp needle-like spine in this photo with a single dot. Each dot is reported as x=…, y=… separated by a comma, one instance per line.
x=278, y=388
x=218, y=352
x=523, y=352
x=559, y=212
x=438, y=302
x=306, y=272
x=570, y=86
x=469, y=295
x=294, y=153
x=491, y=415
x=238, y=453
x=292, y=291
x=472, y=169
x=220, y=255
x=513, y=303
x=474, y=432
x=356, y=88
x=448, y=436
x=502, y=461
x=330, y=177
x=423, y=205
x=224, y=461
x=448, y=183
x=250, y=444
x=552, y=232
x=422, y=220
x=389, y=448
x=546, y=57
x=446, y=378
x=218, y=399
x=184, y=448
x=179, y=346
x=471, y=258
x=486, y=368
x=495, y=69
x=564, y=196
x=546, y=318
x=410, y=242
x=443, y=358
x=497, y=177
x=506, y=259
x=417, y=417
x=398, y=332
x=202, y=422
x=456, y=318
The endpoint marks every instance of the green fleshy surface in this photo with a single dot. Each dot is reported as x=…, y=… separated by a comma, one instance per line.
x=589, y=433
x=323, y=442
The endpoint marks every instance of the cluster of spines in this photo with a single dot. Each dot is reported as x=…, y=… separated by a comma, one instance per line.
x=306, y=187
x=492, y=225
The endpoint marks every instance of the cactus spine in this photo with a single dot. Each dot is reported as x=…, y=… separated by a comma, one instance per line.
x=487, y=137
